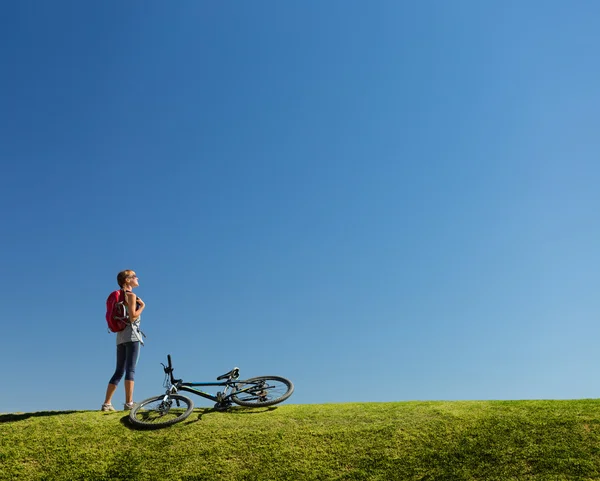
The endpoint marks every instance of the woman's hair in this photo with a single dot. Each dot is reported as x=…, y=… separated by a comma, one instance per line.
x=122, y=276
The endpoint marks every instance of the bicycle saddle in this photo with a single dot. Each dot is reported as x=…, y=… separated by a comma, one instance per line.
x=233, y=374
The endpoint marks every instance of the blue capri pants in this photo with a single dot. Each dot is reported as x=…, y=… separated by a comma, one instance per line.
x=127, y=358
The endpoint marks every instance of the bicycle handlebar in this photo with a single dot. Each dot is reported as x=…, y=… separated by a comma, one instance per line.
x=169, y=370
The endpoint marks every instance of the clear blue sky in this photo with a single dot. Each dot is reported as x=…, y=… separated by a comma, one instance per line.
x=382, y=201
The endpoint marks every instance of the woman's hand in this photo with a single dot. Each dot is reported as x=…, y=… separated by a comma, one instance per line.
x=132, y=308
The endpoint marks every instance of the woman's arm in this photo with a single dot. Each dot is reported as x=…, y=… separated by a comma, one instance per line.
x=132, y=309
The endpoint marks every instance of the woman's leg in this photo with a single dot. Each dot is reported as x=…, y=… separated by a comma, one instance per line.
x=117, y=376
x=128, y=392
x=133, y=353
x=110, y=390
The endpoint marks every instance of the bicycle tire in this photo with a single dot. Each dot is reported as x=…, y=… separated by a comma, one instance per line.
x=159, y=412
x=262, y=391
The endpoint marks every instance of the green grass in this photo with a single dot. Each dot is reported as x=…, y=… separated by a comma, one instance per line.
x=494, y=440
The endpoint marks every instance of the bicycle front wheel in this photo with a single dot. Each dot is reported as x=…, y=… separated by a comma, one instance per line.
x=161, y=411
x=262, y=391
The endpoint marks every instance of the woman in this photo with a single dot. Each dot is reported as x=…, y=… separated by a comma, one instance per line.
x=128, y=342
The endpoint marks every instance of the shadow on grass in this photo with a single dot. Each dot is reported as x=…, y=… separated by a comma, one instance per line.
x=197, y=415
x=9, y=418
x=245, y=410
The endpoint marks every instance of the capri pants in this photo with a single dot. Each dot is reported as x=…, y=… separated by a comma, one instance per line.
x=127, y=358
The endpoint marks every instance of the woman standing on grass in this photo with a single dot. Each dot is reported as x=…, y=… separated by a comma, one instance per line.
x=128, y=342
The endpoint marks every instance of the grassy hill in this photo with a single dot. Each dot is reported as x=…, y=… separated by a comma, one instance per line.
x=495, y=440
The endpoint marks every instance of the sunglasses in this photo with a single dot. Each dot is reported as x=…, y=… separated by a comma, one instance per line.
x=132, y=277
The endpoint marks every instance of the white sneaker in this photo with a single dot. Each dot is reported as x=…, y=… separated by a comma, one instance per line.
x=128, y=406
x=107, y=407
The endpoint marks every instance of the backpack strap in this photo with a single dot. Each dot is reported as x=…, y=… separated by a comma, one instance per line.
x=126, y=305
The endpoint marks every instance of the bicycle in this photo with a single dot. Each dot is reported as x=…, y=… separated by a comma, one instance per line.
x=170, y=408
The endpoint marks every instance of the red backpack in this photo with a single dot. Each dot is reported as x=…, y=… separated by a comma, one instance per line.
x=117, y=317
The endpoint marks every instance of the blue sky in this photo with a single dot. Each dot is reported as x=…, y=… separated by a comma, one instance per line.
x=383, y=202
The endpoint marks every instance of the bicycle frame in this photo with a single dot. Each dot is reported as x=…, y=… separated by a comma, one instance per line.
x=229, y=384
x=189, y=387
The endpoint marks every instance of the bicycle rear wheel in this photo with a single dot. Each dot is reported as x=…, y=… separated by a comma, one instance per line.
x=161, y=411
x=262, y=391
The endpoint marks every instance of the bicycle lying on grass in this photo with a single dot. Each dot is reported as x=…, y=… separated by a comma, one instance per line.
x=171, y=408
